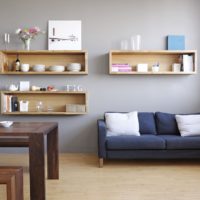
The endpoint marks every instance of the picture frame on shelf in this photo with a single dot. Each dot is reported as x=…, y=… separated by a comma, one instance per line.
x=64, y=35
x=24, y=86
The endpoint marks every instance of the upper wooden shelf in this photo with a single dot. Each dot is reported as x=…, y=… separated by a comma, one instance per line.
x=165, y=58
x=45, y=57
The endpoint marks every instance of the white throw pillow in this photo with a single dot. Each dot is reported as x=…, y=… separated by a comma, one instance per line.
x=122, y=124
x=188, y=125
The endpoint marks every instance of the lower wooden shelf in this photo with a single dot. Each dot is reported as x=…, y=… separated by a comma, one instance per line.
x=44, y=113
x=53, y=103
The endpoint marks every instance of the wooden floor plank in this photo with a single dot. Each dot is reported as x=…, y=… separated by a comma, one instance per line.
x=82, y=179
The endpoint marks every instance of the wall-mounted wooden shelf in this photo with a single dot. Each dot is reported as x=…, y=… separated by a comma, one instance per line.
x=164, y=57
x=45, y=57
x=57, y=101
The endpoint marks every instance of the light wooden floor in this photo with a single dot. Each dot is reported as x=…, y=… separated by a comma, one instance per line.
x=81, y=179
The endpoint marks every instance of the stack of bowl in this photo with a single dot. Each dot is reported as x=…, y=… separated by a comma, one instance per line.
x=38, y=68
x=74, y=67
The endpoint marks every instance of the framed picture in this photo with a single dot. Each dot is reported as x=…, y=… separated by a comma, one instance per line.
x=24, y=86
x=64, y=35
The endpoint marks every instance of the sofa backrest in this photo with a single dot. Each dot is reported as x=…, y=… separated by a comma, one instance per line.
x=166, y=124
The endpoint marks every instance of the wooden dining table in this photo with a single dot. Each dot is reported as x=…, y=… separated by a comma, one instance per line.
x=32, y=135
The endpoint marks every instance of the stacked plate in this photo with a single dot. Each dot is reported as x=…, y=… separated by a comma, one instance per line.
x=74, y=67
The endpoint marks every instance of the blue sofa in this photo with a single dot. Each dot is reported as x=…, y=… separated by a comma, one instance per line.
x=160, y=139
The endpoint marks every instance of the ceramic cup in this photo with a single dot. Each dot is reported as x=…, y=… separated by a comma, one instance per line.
x=24, y=67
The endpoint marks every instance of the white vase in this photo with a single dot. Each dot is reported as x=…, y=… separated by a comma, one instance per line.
x=27, y=44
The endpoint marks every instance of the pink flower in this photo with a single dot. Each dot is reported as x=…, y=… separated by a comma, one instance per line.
x=28, y=33
x=18, y=31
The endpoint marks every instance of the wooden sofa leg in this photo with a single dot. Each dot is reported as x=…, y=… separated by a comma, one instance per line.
x=101, y=162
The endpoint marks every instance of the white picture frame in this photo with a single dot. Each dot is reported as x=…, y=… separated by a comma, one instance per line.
x=24, y=86
x=64, y=35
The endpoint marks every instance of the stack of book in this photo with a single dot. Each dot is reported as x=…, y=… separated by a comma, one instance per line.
x=10, y=103
x=121, y=67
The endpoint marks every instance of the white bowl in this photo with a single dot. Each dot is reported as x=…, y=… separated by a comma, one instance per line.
x=38, y=68
x=74, y=67
x=24, y=67
x=6, y=123
x=57, y=68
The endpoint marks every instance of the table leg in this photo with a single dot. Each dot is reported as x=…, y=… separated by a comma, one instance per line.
x=52, y=154
x=37, y=167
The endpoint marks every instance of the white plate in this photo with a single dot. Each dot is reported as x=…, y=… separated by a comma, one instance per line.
x=6, y=123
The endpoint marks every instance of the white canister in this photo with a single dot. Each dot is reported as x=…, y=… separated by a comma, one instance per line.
x=24, y=67
x=176, y=67
x=155, y=68
x=23, y=106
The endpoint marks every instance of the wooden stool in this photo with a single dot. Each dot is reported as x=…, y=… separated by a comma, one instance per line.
x=13, y=178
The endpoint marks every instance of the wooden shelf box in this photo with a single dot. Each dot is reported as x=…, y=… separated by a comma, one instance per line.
x=164, y=57
x=48, y=58
x=56, y=101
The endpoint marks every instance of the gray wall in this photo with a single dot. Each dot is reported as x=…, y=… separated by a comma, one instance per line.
x=104, y=24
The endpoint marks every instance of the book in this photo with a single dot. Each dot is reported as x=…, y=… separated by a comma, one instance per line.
x=121, y=65
x=175, y=42
x=8, y=103
x=121, y=69
x=4, y=103
x=14, y=104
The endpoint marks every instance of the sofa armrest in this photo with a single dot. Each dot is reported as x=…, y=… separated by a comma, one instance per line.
x=101, y=138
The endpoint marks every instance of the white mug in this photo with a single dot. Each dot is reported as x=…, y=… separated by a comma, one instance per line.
x=24, y=67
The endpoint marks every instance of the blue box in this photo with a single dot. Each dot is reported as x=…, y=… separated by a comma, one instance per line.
x=175, y=42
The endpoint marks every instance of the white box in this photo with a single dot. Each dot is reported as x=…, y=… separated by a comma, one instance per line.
x=23, y=106
x=142, y=67
x=75, y=108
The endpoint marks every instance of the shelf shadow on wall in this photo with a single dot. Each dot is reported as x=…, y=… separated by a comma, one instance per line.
x=99, y=64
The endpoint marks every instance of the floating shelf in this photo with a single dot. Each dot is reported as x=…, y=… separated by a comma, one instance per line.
x=48, y=58
x=57, y=101
x=164, y=57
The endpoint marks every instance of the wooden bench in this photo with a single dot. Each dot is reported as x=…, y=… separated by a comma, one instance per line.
x=13, y=178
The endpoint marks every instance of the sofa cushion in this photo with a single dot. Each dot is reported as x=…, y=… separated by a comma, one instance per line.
x=188, y=125
x=147, y=123
x=122, y=123
x=166, y=124
x=178, y=142
x=134, y=142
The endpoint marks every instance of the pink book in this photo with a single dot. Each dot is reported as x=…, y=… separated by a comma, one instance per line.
x=120, y=65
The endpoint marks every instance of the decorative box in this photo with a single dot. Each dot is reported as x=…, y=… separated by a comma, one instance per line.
x=142, y=67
